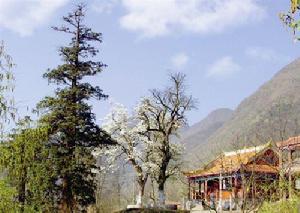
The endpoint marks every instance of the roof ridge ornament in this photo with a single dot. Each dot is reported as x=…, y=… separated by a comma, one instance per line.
x=246, y=150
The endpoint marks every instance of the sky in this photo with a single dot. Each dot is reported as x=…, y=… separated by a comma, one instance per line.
x=226, y=48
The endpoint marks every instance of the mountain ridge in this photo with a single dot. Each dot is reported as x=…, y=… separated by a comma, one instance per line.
x=198, y=133
x=257, y=118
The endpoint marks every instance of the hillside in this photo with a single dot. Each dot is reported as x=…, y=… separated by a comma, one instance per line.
x=199, y=133
x=271, y=113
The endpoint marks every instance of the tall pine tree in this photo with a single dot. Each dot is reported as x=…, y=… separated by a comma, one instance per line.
x=74, y=133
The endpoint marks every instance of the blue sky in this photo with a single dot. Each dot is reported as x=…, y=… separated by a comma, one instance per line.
x=227, y=48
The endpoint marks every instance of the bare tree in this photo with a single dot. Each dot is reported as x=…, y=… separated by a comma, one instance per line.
x=163, y=113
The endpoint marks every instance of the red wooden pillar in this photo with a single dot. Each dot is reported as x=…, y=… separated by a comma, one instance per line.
x=290, y=173
x=232, y=186
x=243, y=184
x=194, y=190
x=220, y=192
x=281, y=175
x=205, y=190
x=231, y=194
x=189, y=192
x=200, y=190
x=235, y=186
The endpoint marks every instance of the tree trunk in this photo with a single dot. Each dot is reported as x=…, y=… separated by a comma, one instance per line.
x=66, y=207
x=139, y=198
x=66, y=203
x=22, y=191
x=152, y=191
x=140, y=195
x=22, y=183
x=161, y=194
x=162, y=178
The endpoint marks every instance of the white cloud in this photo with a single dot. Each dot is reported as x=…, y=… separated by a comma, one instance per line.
x=162, y=17
x=179, y=60
x=266, y=54
x=24, y=16
x=104, y=6
x=223, y=67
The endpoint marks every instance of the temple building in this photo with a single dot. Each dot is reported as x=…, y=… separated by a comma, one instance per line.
x=289, y=165
x=236, y=177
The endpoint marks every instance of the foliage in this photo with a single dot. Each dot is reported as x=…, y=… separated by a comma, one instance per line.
x=282, y=206
x=7, y=194
x=7, y=109
x=24, y=161
x=289, y=18
x=74, y=134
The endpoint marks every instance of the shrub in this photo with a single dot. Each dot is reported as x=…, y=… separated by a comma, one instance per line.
x=283, y=206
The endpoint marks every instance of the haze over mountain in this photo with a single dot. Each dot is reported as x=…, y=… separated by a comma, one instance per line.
x=200, y=132
x=271, y=113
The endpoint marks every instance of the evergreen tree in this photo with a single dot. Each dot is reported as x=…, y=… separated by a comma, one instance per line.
x=74, y=134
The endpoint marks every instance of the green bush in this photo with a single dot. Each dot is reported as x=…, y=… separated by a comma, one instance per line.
x=7, y=194
x=284, y=206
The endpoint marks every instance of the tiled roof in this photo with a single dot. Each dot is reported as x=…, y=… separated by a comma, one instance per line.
x=232, y=161
x=291, y=142
x=261, y=168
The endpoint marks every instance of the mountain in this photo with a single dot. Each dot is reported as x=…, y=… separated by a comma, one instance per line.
x=198, y=134
x=271, y=113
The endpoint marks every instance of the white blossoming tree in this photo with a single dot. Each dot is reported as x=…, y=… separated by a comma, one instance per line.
x=163, y=113
x=131, y=143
